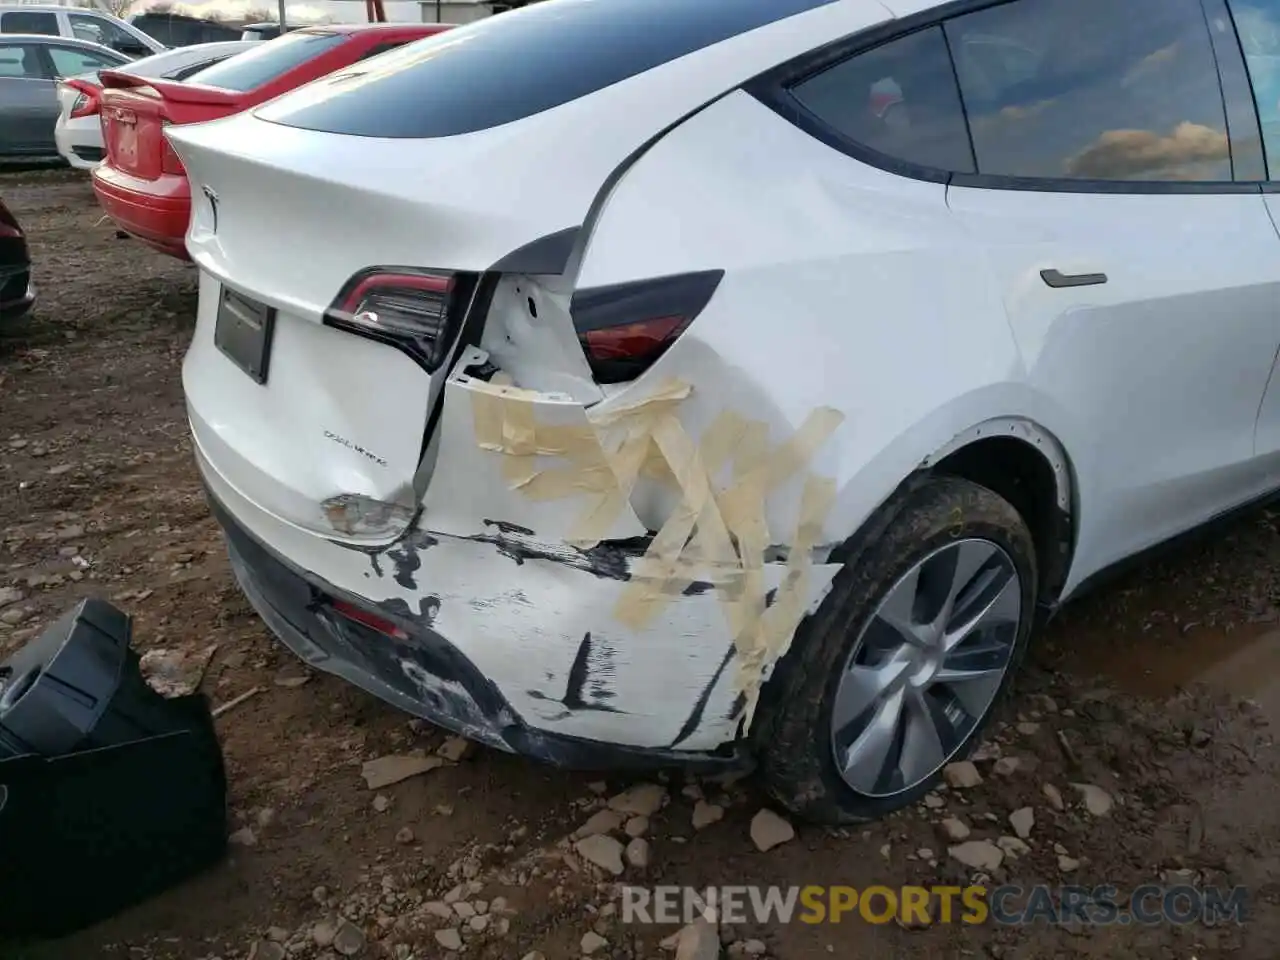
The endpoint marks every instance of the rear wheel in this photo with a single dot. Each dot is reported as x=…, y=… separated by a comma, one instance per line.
x=897, y=673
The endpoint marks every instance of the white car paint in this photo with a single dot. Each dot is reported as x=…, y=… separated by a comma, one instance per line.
x=71, y=132
x=80, y=23
x=914, y=311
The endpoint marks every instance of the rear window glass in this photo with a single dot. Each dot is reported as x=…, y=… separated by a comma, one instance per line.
x=264, y=63
x=513, y=65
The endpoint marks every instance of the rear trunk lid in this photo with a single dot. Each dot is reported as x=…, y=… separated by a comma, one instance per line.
x=135, y=111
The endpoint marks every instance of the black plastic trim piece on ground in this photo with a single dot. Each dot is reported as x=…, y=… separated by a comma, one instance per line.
x=109, y=792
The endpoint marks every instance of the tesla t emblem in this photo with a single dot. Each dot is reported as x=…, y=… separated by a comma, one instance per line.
x=213, y=205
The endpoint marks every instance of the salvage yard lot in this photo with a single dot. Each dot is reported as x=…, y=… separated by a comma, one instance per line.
x=1161, y=691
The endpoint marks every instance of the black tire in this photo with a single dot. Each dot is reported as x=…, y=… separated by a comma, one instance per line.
x=792, y=732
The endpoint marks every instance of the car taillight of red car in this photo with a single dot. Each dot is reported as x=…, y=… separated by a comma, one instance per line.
x=87, y=100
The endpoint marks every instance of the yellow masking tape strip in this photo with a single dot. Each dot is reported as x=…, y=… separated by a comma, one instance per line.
x=716, y=536
x=778, y=624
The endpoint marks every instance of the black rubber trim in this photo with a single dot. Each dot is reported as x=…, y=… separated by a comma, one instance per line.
x=771, y=88
x=1244, y=126
x=546, y=255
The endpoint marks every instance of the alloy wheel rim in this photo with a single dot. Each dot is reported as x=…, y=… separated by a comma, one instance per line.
x=926, y=667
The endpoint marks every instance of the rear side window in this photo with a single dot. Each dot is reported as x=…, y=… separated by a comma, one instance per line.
x=382, y=48
x=513, y=65
x=71, y=62
x=21, y=60
x=1093, y=90
x=261, y=65
x=29, y=22
x=899, y=99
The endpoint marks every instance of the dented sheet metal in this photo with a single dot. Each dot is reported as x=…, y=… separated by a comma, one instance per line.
x=516, y=456
x=718, y=535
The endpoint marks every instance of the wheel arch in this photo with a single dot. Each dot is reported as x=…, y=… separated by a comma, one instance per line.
x=1019, y=459
x=1026, y=464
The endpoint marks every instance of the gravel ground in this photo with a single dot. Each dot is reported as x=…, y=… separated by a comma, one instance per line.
x=1156, y=695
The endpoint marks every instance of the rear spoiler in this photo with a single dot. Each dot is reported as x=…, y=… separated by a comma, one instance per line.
x=169, y=89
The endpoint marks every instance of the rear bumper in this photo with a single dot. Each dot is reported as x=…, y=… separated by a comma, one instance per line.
x=80, y=147
x=423, y=675
x=155, y=212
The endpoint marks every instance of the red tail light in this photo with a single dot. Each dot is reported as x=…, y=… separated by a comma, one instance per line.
x=416, y=311
x=625, y=327
x=370, y=620
x=87, y=101
x=169, y=162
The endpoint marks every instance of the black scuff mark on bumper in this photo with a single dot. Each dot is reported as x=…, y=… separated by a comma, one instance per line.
x=594, y=664
x=428, y=610
x=607, y=560
x=700, y=706
x=504, y=526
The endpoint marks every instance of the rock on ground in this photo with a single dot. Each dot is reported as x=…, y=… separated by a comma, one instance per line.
x=643, y=800
x=978, y=854
x=450, y=939
x=698, y=941
x=384, y=771
x=961, y=775
x=768, y=830
x=605, y=852
x=638, y=853
x=705, y=814
x=592, y=942
x=1096, y=800
x=1022, y=820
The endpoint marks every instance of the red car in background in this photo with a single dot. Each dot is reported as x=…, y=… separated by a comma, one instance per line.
x=141, y=184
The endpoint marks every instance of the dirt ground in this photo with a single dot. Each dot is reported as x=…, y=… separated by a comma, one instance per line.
x=1160, y=691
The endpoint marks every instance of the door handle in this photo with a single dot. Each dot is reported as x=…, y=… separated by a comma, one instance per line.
x=1057, y=279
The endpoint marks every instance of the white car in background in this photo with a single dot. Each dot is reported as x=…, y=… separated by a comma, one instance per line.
x=679, y=381
x=78, y=131
x=93, y=26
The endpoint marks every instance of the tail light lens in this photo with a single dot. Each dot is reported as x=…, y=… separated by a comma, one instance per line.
x=371, y=620
x=625, y=327
x=169, y=162
x=86, y=102
x=417, y=311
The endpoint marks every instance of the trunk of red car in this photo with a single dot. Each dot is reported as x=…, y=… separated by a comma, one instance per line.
x=135, y=112
x=132, y=130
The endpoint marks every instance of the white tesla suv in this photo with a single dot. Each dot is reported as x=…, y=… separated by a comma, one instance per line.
x=655, y=381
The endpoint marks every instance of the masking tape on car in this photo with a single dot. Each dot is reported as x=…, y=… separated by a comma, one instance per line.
x=719, y=537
